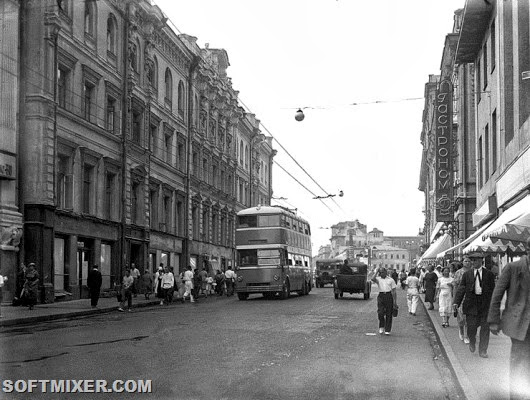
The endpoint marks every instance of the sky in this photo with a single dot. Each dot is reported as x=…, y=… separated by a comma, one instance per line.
x=358, y=70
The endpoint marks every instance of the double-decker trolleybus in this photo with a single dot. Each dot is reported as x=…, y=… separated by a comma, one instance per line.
x=273, y=252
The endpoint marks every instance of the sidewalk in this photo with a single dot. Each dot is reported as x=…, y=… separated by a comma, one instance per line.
x=74, y=308
x=480, y=378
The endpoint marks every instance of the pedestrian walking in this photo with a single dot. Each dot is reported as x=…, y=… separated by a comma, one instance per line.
x=188, y=285
x=412, y=284
x=19, y=285
x=220, y=283
x=229, y=280
x=126, y=289
x=386, y=299
x=475, y=290
x=209, y=285
x=168, y=283
x=444, y=294
x=158, y=284
x=135, y=273
x=514, y=280
x=3, y=280
x=196, y=283
x=461, y=268
x=31, y=286
x=395, y=275
x=94, y=281
x=203, y=275
x=147, y=283
x=429, y=283
x=402, y=279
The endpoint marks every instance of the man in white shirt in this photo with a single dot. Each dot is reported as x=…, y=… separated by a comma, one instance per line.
x=135, y=273
x=386, y=300
x=230, y=281
x=188, y=284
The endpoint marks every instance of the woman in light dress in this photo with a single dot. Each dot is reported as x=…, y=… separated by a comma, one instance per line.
x=461, y=317
x=444, y=293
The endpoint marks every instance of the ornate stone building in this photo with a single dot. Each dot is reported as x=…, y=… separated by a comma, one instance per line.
x=10, y=215
x=128, y=145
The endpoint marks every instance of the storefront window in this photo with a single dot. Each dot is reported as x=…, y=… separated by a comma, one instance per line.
x=106, y=257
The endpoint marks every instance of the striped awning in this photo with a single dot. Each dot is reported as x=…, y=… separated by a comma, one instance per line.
x=443, y=243
x=498, y=237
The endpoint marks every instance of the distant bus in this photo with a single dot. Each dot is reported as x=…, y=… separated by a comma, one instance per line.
x=325, y=270
x=273, y=247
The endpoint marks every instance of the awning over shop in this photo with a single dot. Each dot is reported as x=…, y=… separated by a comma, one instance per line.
x=465, y=242
x=441, y=244
x=436, y=229
x=490, y=240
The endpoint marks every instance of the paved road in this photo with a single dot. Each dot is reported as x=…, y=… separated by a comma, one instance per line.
x=309, y=347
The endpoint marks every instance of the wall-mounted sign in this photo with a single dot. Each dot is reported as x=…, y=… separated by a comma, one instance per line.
x=444, y=147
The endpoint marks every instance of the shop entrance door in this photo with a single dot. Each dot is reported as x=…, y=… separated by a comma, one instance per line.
x=83, y=263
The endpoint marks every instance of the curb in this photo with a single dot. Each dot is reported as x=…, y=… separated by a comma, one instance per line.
x=469, y=391
x=69, y=315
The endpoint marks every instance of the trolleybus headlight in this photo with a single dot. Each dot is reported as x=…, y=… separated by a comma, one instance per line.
x=276, y=277
x=240, y=279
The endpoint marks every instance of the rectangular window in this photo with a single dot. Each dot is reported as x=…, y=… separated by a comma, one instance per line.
x=205, y=226
x=205, y=170
x=215, y=232
x=110, y=184
x=105, y=265
x=224, y=241
x=111, y=114
x=153, y=211
x=494, y=141
x=486, y=153
x=179, y=218
x=486, y=72
x=63, y=75
x=493, y=44
x=478, y=71
x=137, y=126
x=88, y=96
x=168, y=143
x=88, y=188
x=167, y=214
x=195, y=163
x=153, y=134
x=135, y=188
x=181, y=160
x=195, y=222
x=64, y=182
x=214, y=176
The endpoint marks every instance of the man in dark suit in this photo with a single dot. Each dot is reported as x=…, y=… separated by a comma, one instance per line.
x=94, y=285
x=476, y=289
x=515, y=320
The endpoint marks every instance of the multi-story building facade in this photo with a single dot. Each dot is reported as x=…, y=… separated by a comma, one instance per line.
x=10, y=215
x=128, y=145
x=487, y=55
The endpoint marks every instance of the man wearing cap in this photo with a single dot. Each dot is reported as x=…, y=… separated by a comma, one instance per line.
x=515, y=320
x=476, y=289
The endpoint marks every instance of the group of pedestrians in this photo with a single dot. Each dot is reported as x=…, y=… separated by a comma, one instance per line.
x=471, y=293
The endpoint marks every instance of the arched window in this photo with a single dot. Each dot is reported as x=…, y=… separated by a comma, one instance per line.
x=241, y=153
x=180, y=104
x=168, y=80
x=111, y=34
x=90, y=18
